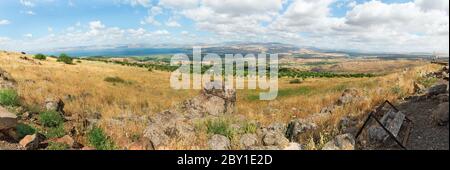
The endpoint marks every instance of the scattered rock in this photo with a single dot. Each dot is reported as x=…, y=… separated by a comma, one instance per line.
x=54, y=105
x=66, y=140
x=437, y=89
x=7, y=119
x=348, y=125
x=31, y=142
x=327, y=109
x=418, y=88
x=165, y=126
x=341, y=142
x=6, y=80
x=212, y=101
x=348, y=96
x=87, y=148
x=219, y=142
x=440, y=115
x=376, y=134
x=298, y=126
x=275, y=139
x=248, y=140
x=293, y=146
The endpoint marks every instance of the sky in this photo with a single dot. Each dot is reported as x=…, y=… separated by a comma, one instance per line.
x=361, y=25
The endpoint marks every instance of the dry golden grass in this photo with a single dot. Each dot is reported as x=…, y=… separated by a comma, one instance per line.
x=146, y=93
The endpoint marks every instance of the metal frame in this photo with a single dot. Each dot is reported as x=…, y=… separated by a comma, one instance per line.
x=376, y=112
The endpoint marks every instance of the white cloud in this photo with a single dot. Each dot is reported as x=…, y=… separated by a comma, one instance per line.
x=179, y=4
x=27, y=3
x=144, y=3
x=427, y=5
x=171, y=22
x=161, y=32
x=28, y=35
x=5, y=22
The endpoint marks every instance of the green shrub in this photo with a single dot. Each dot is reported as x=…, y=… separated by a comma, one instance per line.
x=9, y=97
x=40, y=57
x=65, y=59
x=24, y=130
x=249, y=127
x=114, y=80
x=295, y=81
x=98, y=139
x=219, y=126
x=50, y=119
x=57, y=146
x=55, y=132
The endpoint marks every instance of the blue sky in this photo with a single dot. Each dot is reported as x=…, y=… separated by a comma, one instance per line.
x=365, y=25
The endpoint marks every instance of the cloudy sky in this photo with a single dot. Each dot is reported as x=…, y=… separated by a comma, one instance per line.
x=363, y=25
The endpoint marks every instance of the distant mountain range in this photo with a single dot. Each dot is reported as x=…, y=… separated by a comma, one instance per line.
x=220, y=48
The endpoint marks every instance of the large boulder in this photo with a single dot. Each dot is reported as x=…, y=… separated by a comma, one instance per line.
x=248, y=140
x=440, y=115
x=437, y=89
x=341, y=142
x=376, y=134
x=7, y=119
x=293, y=146
x=31, y=142
x=349, y=96
x=165, y=126
x=214, y=99
x=272, y=138
x=298, y=126
x=219, y=142
x=54, y=105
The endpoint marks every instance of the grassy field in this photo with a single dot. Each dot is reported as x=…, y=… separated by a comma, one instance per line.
x=114, y=90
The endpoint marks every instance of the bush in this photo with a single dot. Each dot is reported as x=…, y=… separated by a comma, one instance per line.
x=114, y=80
x=40, y=57
x=219, y=126
x=57, y=146
x=9, y=97
x=249, y=128
x=98, y=139
x=295, y=81
x=65, y=59
x=55, y=132
x=50, y=119
x=24, y=130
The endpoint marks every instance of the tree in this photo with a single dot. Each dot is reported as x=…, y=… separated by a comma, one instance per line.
x=65, y=59
x=40, y=56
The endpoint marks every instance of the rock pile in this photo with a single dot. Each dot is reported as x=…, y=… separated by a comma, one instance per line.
x=214, y=99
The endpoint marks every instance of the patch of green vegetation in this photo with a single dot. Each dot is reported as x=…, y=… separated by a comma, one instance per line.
x=55, y=132
x=319, y=63
x=40, y=57
x=57, y=146
x=9, y=97
x=397, y=90
x=286, y=72
x=249, y=127
x=220, y=127
x=116, y=79
x=24, y=130
x=305, y=90
x=50, y=119
x=98, y=139
x=65, y=59
x=428, y=81
x=295, y=81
